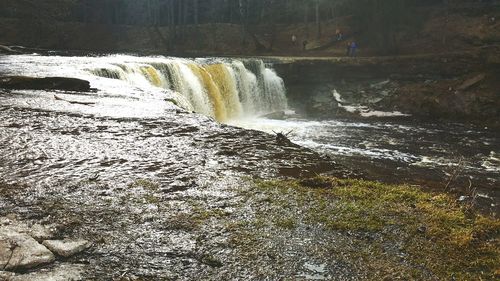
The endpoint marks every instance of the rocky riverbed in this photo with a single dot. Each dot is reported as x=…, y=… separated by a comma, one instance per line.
x=140, y=189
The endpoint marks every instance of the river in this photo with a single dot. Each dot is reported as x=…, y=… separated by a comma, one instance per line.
x=142, y=106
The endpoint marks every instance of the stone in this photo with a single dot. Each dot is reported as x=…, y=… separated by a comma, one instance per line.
x=41, y=233
x=277, y=115
x=21, y=251
x=63, y=272
x=66, y=248
x=10, y=222
x=6, y=246
x=5, y=221
x=6, y=276
x=46, y=83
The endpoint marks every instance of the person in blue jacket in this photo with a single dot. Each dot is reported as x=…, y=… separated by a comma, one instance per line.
x=353, y=48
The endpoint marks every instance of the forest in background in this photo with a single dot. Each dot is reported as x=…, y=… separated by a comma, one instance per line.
x=383, y=23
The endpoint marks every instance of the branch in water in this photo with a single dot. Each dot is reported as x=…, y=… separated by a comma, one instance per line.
x=74, y=102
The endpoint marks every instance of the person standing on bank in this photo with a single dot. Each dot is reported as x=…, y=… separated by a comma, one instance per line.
x=353, y=48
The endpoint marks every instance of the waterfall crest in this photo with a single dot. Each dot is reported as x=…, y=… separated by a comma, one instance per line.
x=224, y=90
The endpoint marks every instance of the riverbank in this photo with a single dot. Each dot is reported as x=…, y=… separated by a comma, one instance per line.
x=312, y=228
x=459, y=86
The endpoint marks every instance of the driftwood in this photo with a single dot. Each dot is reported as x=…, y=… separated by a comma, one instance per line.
x=74, y=102
x=455, y=173
x=8, y=50
x=282, y=138
x=471, y=82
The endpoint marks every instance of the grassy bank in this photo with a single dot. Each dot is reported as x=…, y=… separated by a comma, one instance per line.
x=394, y=231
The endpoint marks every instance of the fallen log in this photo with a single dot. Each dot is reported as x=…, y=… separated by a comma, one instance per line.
x=8, y=50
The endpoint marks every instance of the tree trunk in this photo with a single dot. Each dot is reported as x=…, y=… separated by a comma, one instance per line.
x=243, y=8
x=185, y=13
x=196, y=11
x=306, y=18
x=318, y=20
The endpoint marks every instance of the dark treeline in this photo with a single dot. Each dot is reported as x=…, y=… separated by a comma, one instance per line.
x=181, y=12
x=381, y=21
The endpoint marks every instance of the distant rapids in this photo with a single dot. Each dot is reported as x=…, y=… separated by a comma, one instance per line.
x=222, y=89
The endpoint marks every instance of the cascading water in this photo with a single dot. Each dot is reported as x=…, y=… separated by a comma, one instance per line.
x=225, y=90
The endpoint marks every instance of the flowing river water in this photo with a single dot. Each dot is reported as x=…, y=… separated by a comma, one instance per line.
x=140, y=124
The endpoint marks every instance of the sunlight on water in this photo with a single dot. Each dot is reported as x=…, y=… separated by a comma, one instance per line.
x=237, y=92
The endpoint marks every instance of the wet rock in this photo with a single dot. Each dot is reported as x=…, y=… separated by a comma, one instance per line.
x=211, y=261
x=278, y=115
x=463, y=198
x=4, y=221
x=21, y=251
x=422, y=229
x=6, y=246
x=46, y=83
x=65, y=272
x=10, y=222
x=5, y=275
x=66, y=248
x=41, y=233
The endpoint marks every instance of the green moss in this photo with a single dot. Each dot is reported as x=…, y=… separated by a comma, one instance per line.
x=146, y=184
x=287, y=223
x=211, y=261
x=201, y=214
x=434, y=231
x=151, y=199
x=172, y=101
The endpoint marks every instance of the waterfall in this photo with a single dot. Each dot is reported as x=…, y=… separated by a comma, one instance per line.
x=222, y=89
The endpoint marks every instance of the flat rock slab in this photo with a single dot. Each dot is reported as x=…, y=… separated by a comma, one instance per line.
x=21, y=251
x=66, y=248
x=46, y=83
